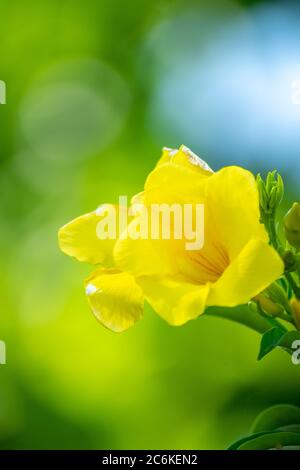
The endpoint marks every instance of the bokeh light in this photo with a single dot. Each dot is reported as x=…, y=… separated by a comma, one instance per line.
x=230, y=95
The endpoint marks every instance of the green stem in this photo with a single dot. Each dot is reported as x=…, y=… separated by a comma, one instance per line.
x=271, y=227
x=244, y=316
x=273, y=233
x=273, y=322
x=293, y=284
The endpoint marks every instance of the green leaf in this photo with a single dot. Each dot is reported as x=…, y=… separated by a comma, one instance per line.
x=287, y=340
x=278, y=416
x=290, y=428
x=290, y=448
x=276, y=427
x=235, y=445
x=269, y=341
x=277, y=337
x=272, y=440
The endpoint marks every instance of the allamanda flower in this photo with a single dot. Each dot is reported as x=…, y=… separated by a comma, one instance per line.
x=234, y=265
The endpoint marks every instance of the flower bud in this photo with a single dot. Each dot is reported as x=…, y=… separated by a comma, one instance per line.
x=277, y=294
x=267, y=306
x=270, y=192
x=295, y=304
x=252, y=306
x=292, y=225
x=290, y=260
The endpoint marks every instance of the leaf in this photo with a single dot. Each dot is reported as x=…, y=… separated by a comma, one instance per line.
x=286, y=341
x=278, y=427
x=278, y=416
x=290, y=428
x=235, y=445
x=272, y=440
x=277, y=337
x=269, y=341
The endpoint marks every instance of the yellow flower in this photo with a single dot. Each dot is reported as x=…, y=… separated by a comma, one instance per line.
x=235, y=264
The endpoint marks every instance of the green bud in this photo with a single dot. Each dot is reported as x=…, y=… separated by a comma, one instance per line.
x=261, y=191
x=290, y=260
x=291, y=223
x=295, y=304
x=270, y=180
x=270, y=192
x=280, y=189
x=273, y=198
x=266, y=306
x=252, y=306
x=277, y=294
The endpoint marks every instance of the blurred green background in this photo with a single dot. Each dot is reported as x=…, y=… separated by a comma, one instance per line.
x=94, y=90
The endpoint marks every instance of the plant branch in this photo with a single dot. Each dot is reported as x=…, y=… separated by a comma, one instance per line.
x=243, y=316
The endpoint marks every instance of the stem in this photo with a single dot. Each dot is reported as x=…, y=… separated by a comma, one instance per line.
x=286, y=318
x=273, y=233
x=271, y=227
x=293, y=284
x=242, y=315
x=276, y=323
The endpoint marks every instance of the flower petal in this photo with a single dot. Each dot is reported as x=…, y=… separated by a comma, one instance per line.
x=174, y=183
x=186, y=158
x=115, y=298
x=256, y=267
x=176, y=302
x=145, y=257
x=232, y=209
x=174, y=167
x=79, y=238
